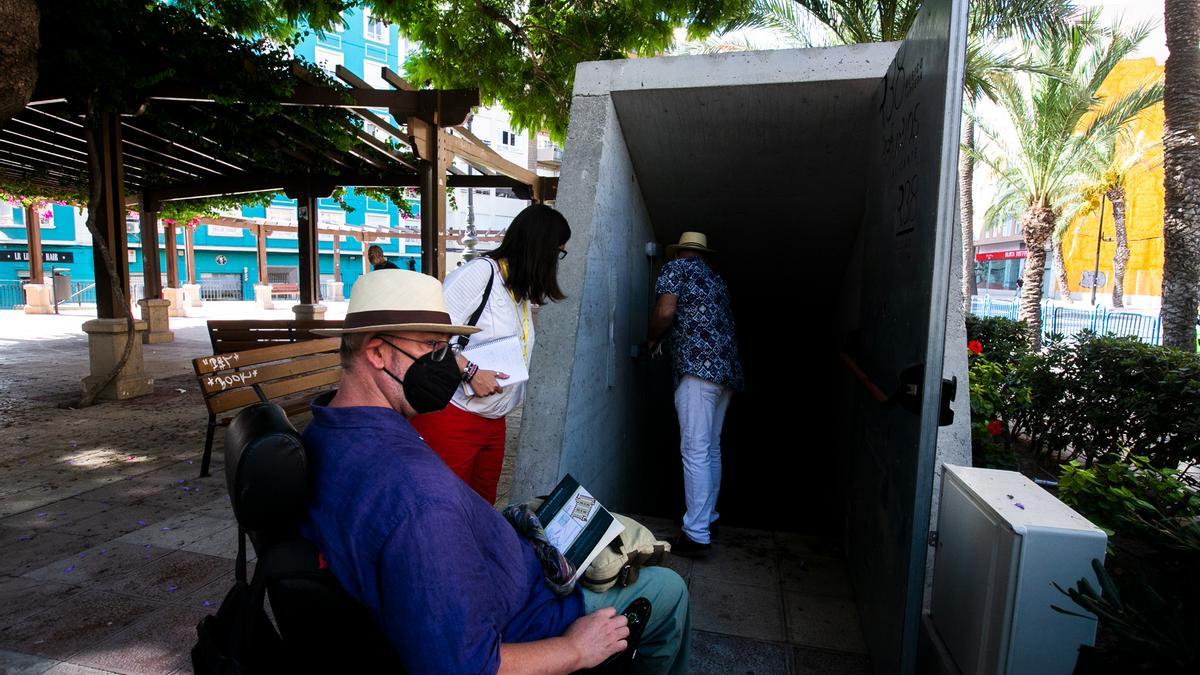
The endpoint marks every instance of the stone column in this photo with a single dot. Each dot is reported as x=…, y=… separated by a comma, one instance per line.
x=37, y=291
x=106, y=342
x=154, y=314
x=262, y=296
x=155, y=309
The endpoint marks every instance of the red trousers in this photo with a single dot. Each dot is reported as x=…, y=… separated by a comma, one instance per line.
x=472, y=446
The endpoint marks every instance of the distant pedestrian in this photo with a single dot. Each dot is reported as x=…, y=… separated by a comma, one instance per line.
x=412, y=265
x=378, y=262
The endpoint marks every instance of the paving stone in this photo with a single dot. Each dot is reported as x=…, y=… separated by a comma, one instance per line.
x=820, y=662
x=57, y=515
x=175, y=577
x=217, y=508
x=176, y=532
x=223, y=544
x=15, y=663
x=716, y=654
x=121, y=520
x=76, y=669
x=745, y=537
x=25, y=550
x=823, y=622
x=99, y=563
x=815, y=575
x=21, y=597
x=158, y=643
x=86, y=619
x=736, y=609
x=681, y=565
x=739, y=565
x=802, y=544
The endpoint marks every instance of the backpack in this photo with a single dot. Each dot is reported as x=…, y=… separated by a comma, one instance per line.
x=621, y=561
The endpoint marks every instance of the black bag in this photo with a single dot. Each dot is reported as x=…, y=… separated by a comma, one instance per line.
x=239, y=638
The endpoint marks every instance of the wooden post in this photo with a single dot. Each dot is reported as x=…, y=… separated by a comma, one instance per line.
x=189, y=252
x=151, y=270
x=260, y=236
x=337, y=258
x=172, y=255
x=33, y=233
x=306, y=234
x=366, y=244
x=432, y=169
x=110, y=218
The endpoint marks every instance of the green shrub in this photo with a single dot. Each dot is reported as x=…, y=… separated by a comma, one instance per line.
x=1003, y=340
x=1104, y=399
x=1130, y=497
x=995, y=396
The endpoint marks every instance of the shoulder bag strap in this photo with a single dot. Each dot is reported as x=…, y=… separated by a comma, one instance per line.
x=487, y=294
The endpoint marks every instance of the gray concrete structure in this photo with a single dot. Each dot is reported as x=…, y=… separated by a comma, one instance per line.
x=803, y=167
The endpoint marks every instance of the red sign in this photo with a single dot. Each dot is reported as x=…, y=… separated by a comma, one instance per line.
x=1002, y=255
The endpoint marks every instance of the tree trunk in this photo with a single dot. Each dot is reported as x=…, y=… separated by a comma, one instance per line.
x=1037, y=224
x=1181, y=175
x=1060, y=268
x=19, y=43
x=1116, y=195
x=966, y=212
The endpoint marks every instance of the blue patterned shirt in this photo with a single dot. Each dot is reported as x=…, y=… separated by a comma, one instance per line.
x=704, y=340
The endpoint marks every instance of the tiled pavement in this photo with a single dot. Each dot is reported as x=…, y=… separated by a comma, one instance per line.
x=111, y=550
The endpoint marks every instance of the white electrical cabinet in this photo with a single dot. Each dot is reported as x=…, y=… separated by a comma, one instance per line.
x=1002, y=544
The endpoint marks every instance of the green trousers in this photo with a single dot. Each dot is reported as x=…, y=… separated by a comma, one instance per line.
x=666, y=641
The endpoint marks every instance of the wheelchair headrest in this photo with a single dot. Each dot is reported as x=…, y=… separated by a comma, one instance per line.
x=266, y=469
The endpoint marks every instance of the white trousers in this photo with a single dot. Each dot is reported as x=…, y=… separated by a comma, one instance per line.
x=701, y=406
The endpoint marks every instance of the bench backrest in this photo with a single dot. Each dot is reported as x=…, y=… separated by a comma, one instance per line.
x=227, y=381
x=238, y=335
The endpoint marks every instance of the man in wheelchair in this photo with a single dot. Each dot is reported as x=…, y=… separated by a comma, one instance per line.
x=447, y=578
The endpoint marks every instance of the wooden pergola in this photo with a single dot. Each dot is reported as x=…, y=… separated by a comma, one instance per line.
x=153, y=155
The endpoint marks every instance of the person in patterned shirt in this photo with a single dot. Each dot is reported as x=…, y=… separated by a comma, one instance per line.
x=693, y=306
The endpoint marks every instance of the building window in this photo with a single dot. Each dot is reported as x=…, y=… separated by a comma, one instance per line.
x=508, y=138
x=328, y=60
x=6, y=216
x=374, y=29
x=373, y=74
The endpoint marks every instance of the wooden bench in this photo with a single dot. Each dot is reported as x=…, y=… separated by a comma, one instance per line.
x=240, y=335
x=291, y=375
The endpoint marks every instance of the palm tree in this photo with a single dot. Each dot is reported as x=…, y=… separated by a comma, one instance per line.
x=1181, y=158
x=1060, y=126
x=1120, y=156
x=809, y=23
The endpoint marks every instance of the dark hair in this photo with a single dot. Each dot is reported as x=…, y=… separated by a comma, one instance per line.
x=352, y=344
x=531, y=248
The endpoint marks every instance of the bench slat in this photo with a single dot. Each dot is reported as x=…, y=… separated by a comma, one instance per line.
x=219, y=362
x=230, y=335
x=246, y=377
x=244, y=396
x=252, y=335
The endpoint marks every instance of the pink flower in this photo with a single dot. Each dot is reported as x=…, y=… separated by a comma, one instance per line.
x=975, y=347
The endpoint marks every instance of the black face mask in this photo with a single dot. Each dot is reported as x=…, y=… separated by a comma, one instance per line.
x=428, y=385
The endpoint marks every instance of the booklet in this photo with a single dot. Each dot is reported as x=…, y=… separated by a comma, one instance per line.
x=578, y=525
x=503, y=355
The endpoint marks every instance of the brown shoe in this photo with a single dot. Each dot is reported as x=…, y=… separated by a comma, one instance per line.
x=684, y=546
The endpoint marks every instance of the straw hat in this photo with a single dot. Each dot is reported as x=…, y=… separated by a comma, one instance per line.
x=397, y=300
x=695, y=241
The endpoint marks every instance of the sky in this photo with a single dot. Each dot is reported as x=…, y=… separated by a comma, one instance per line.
x=1132, y=12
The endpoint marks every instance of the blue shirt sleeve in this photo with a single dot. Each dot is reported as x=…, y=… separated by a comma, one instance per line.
x=670, y=279
x=433, y=596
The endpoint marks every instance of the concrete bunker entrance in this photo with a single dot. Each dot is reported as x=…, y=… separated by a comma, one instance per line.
x=773, y=175
x=826, y=180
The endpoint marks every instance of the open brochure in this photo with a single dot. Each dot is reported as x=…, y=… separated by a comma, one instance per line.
x=503, y=355
x=577, y=524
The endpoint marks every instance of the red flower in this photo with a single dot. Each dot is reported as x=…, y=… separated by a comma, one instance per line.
x=995, y=428
x=975, y=347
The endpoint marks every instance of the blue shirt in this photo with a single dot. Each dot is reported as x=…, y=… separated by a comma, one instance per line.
x=446, y=577
x=704, y=340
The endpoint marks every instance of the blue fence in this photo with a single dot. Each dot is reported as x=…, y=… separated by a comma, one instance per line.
x=1068, y=321
x=12, y=294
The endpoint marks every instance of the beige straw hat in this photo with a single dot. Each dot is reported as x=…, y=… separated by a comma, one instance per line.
x=397, y=300
x=695, y=241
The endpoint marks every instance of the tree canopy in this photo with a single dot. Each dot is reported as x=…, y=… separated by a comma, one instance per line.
x=519, y=54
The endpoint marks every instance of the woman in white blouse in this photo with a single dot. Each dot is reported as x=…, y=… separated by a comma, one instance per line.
x=469, y=433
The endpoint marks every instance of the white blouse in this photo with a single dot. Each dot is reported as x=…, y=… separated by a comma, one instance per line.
x=501, y=317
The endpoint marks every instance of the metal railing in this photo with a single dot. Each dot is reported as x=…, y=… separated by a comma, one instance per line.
x=12, y=295
x=221, y=289
x=1070, y=321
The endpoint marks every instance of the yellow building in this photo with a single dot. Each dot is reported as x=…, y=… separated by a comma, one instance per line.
x=1143, y=207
